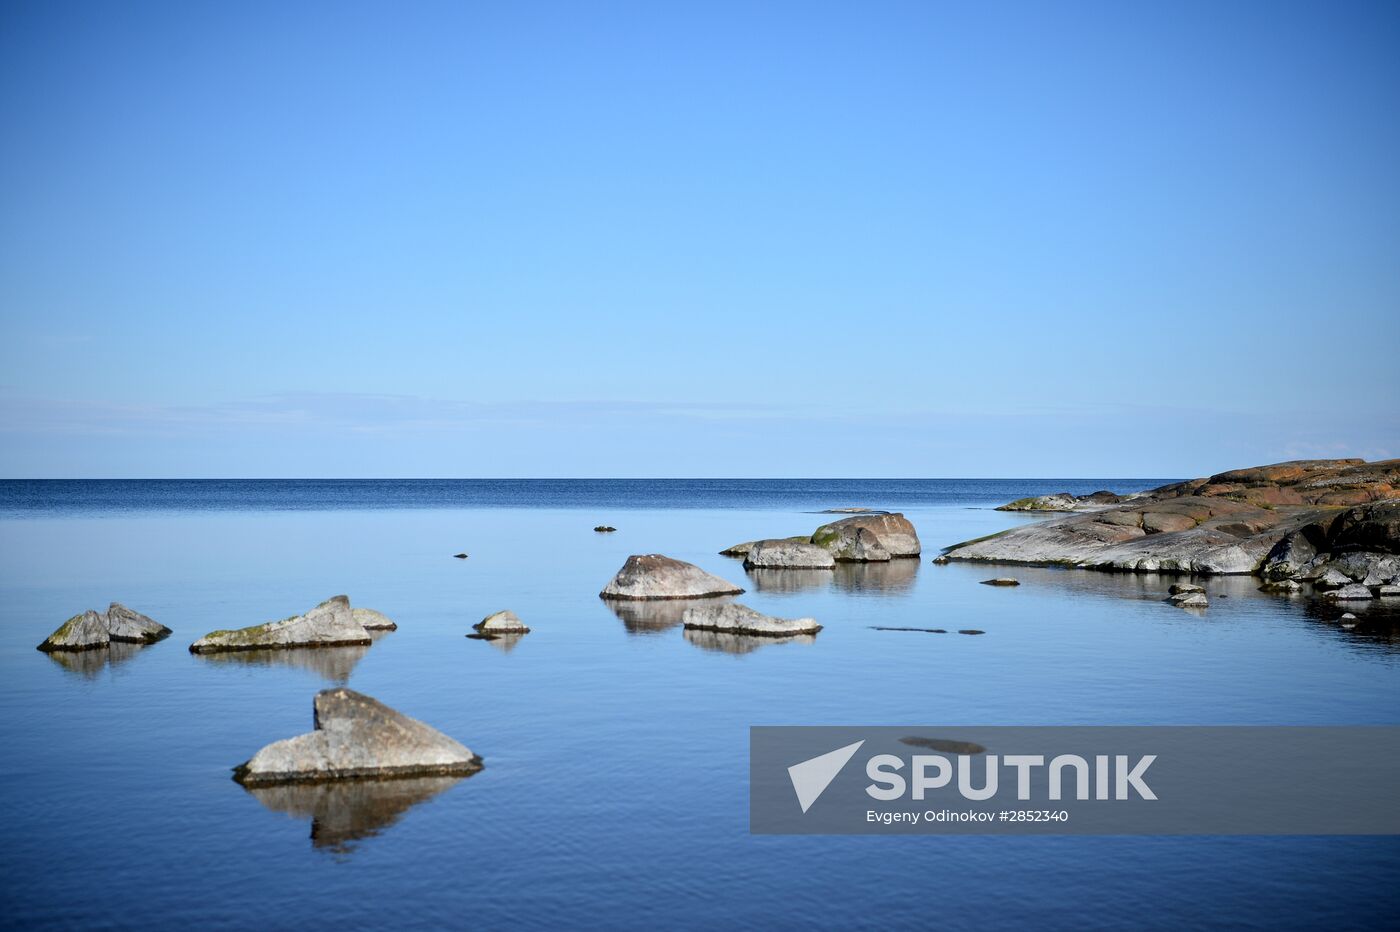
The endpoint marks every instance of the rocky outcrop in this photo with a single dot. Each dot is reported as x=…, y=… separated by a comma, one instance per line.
x=94, y=630
x=886, y=535
x=499, y=624
x=330, y=623
x=356, y=736
x=371, y=620
x=653, y=576
x=1285, y=521
x=1064, y=501
x=733, y=618
x=788, y=554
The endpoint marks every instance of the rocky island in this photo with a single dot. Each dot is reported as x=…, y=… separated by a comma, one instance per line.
x=1330, y=523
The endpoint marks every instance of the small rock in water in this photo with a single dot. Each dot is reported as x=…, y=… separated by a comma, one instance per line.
x=357, y=736
x=371, y=620
x=1001, y=581
x=924, y=630
x=971, y=631
x=789, y=554
x=941, y=560
x=87, y=631
x=460, y=556
x=1348, y=620
x=604, y=529
x=653, y=576
x=1352, y=593
x=1282, y=585
x=329, y=624
x=733, y=618
x=1189, y=600
x=133, y=627
x=1185, y=588
x=497, y=625
x=947, y=746
x=1332, y=579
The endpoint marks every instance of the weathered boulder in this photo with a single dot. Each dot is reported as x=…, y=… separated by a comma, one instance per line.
x=1190, y=600
x=1331, y=578
x=371, y=620
x=1001, y=581
x=893, y=534
x=330, y=623
x=1291, y=555
x=498, y=624
x=733, y=618
x=1064, y=501
x=87, y=631
x=788, y=554
x=1352, y=593
x=653, y=576
x=123, y=624
x=742, y=550
x=357, y=736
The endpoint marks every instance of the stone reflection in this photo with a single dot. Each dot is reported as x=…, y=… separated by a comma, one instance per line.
x=344, y=812
x=89, y=663
x=333, y=664
x=727, y=643
x=653, y=616
x=888, y=578
x=787, y=580
x=505, y=643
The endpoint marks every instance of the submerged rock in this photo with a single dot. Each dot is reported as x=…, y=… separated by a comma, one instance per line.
x=371, y=620
x=604, y=529
x=1001, y=581
x=742, y=550
x=356, y=736
x=123, y=624
x=460, y=556
x=330, y=623
x=1184, y=588
x=653, y=576
x=1282, y=585
x=1189, y=600
x=732, y=618
x=788, y=554
x=1352, y=593
x=886, y=535
x=87, y=631
x=499, y=624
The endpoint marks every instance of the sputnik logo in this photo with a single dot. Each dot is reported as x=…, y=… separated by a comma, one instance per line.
x=811, y=777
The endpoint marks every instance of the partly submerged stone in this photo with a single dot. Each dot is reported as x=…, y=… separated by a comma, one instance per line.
x=1184, y=588
x=87, y=631
x=789, y=554
x=371, y=620
x=733, y=618
x=1001, y=581
x=1190, y=600
x=499, y=624
x=653, y=576
x=889, y=534
x=605, y=529
x=123, y=624
x=330, y=623
x=1352, y=593
x=357, y=736
x=742, y=550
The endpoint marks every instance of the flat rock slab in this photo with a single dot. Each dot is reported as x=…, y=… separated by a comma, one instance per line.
x=371, y=620
x=653, y=576
x=732, y=618
x=742, y=550
x=331, y=623
x=355, y=737
x=1001, y=581
x=789, y=554
x=885, y=536
x=499, y=624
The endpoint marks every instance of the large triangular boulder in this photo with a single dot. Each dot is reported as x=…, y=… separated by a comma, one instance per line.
x=357, y=736
x=653, y=576
x=123, y=624
x=87, y=631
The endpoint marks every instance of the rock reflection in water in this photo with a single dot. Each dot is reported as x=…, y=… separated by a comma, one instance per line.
x=505, y=643
x=90, y=663
x=728, y=643
x=334, y=664
x=654, y=616
x=785, y=580
x=889, y=577
x=345, y=811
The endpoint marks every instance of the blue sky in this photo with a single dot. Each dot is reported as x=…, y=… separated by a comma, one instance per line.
x=708, y=239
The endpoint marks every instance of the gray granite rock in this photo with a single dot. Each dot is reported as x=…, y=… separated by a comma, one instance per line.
x=788, y=554
x=87, y=631
x=371, y=620
x=1352, y=593
x=330, y=623
x=891, y=534
x=1190, y=600
x=742, y=550
x=653, y=576
x=498, y=624
x=356, y=736
x=123, y=624
x=733, y=618
x=1331, y=578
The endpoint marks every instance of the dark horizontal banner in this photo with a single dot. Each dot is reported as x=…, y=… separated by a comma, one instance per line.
x=1075, y=780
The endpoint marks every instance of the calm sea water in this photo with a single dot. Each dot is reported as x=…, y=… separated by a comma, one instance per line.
x=615, y=788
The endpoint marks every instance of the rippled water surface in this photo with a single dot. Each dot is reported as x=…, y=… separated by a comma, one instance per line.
x=615, y=787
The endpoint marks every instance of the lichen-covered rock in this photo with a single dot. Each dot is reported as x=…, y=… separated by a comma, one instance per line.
x=733, y=618
x=498, y=624
x=1352, y=593
x=123, y=624
x=653, y=576
x=356, y=736
x=371, y=620
x=330, y=623
x=887, y=535
x=87, y=631
x=789, y=554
